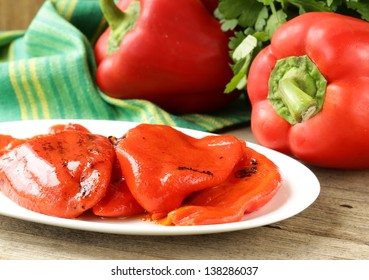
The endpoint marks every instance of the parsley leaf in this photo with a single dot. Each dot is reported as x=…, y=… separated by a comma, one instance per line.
x=361, y=7
x=242, y=55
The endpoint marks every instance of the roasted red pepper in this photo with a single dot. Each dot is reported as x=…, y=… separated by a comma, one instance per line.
x=172, y=53
x=176, y=178
x=310, y=91
x=5, y=140
x=61, y=174
x=8, y=142
x=253, y=182
x=70, y=126
x=162, y=166
x=118, y=200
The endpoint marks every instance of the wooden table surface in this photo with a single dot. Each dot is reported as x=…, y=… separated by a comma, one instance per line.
x=335, y=226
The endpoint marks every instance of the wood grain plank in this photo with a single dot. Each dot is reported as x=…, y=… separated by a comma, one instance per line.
x=18, y=16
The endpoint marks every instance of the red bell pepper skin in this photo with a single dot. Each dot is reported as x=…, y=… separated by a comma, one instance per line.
x=8, y=142
x=336, y=134
x=210, y=5
x=118, y=200
x=61, y=174
x=162, y=165
x=253, y=182
x=175, y=55
x=70, y=126
x=5, y=140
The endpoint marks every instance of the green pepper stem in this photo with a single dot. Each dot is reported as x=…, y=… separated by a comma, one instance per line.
x=296, y=88
x=120, y=22
x=300, y=104
x=274, y=12
x=112, y=13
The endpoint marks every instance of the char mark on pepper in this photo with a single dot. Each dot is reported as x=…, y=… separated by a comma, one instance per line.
x=246, y=172
x=207, y=172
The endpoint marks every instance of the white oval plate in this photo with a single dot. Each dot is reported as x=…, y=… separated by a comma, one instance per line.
x=299, y=189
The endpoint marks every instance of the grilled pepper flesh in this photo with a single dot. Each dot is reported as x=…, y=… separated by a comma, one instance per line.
x=162, y=166
x=62, y=174
x=118, y=200
x=253, y=182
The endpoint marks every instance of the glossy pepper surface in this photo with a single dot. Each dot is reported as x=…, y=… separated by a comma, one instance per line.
x=61, y=174
x=253, y=182
x=5, y=140
x=118, y=200
x=172, y=53
x=162, y=166
x=310, y=91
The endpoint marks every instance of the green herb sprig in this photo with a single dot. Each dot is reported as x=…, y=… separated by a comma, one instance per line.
x=253, y=23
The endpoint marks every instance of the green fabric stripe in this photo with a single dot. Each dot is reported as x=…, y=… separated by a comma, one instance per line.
x=33, y=93
x=55, y=36
x=48, y=44
x=52, y=87
x=6, y=37
x=9, y=108
x=17, y=50
x=77, y=98
x=64, y=7
x=207, y=123
x=90, y=10
x=23, y=92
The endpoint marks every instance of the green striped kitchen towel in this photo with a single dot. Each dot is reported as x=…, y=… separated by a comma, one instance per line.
x=47, y=72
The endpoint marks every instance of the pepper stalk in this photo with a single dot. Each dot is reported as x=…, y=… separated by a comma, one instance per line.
x=296, y=89
x=120, y=22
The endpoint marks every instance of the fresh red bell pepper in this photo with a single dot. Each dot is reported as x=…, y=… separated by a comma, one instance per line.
x=310, y=91
x=211, y=5
x=253, y=182
x=172, y=53
x=162, y=166
x=61, y=174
